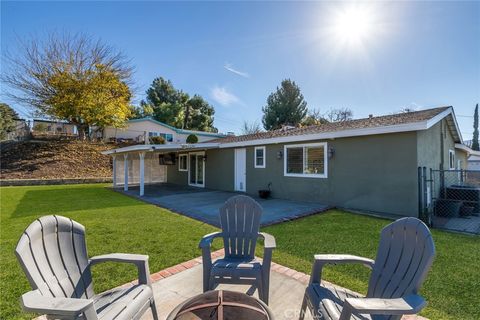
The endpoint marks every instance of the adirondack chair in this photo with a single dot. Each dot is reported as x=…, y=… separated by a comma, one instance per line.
x=53, y=254
x=404, y=257
x=240, y=223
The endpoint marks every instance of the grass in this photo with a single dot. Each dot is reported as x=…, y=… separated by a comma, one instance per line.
x=116, y=223
x=452, y=288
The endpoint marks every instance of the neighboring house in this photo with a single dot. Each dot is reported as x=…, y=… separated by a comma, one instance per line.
x=138, y=129
x=474, y=163
x=52, y=127
x=366, y=164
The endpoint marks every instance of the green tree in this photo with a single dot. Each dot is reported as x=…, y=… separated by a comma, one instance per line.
x=475, y=145
x=176, y=108
x=73, y=78
x=141, y=111
x=285, y=106
x=199, y=115
x=7, y=120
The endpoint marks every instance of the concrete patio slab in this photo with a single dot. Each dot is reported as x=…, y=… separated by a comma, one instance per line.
x=178, y=283
x=285, y=300
x=203, y=204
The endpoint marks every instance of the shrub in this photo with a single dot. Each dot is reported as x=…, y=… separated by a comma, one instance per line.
x=157, y=140
x=192, y=139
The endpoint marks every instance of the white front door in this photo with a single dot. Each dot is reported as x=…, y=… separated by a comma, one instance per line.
x=240, y=170
x=196, y=169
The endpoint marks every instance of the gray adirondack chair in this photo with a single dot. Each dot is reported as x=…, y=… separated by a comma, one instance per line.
x=404, y=257
x=240, y=223
x=53, y=254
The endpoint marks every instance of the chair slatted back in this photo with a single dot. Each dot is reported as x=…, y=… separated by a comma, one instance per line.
x=240, y=222
x=53, y=254
x=404, y=257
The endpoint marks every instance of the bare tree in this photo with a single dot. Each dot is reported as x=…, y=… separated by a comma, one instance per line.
x=339, y=115
x=251, y=127
x=314, y=117
x=61, y=75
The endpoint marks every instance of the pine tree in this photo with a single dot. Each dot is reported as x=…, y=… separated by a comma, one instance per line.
x=475, y=145
x=285, y=106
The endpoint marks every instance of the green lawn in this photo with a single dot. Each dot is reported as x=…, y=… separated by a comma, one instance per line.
x=116, y=223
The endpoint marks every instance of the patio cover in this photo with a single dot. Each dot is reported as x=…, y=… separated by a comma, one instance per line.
x=129, y=162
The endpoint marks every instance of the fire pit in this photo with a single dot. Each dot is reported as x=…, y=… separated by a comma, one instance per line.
x=221, y=305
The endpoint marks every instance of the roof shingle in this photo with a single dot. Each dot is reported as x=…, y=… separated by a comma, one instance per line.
x=380, y=121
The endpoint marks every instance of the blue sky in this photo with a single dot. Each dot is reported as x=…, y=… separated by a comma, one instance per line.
x=416, y=54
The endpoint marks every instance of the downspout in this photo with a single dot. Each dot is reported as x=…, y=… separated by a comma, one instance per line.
x=442, y=162
x=442, y=146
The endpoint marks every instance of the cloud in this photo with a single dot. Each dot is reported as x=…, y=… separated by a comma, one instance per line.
x=230, y=68
x=222, y=96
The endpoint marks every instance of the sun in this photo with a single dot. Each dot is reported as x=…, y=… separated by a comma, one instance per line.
x=353, y=25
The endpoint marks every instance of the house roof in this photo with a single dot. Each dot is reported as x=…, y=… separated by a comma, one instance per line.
x=163, y=148
x=404, y=122
x=409, y=121
x=177, y=130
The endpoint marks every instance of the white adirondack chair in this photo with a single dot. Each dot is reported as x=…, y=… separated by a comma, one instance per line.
x=404, y=257
x=240, y=222
x=53, y=254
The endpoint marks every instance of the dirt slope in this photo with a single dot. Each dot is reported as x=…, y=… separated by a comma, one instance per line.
x=54, y=159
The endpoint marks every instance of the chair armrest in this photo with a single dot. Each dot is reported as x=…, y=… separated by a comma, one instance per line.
x=140, y=260
x=323, y=259
x=119, y=257
x=207, y=240
x=269, y=240
x=342, y=259
x=35, y=302
x=410, y=304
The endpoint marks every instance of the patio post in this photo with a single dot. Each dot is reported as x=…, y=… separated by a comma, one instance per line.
x=114, y=167
x=125, y=168
x=142, y=173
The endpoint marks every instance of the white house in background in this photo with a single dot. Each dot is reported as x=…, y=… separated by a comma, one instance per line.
x=474, y=163
x=138, y=129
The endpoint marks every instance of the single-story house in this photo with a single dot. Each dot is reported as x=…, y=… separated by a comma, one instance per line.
x=366, y=164
x=138, y=129
x=474, y=163
x=45, y=126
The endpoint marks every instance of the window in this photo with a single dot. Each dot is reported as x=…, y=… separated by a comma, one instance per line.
x=451, y=159
x=259, y=157
x=167, y=136
x=307, y=160
x=183, y=162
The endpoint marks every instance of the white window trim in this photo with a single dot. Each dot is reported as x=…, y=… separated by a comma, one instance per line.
x=255, y=157
x=179, y=162
x=450, y=154
x=304, y=175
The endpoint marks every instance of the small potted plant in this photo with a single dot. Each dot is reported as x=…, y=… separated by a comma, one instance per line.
x=265, y=193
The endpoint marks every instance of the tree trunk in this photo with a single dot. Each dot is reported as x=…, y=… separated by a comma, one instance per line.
x=82, y=131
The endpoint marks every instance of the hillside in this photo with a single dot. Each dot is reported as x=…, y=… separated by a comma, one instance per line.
x=54, y=160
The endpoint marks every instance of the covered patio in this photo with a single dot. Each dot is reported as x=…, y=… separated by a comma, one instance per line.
x=203, y=204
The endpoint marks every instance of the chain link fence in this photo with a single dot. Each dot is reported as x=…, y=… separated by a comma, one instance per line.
x=451, y=199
